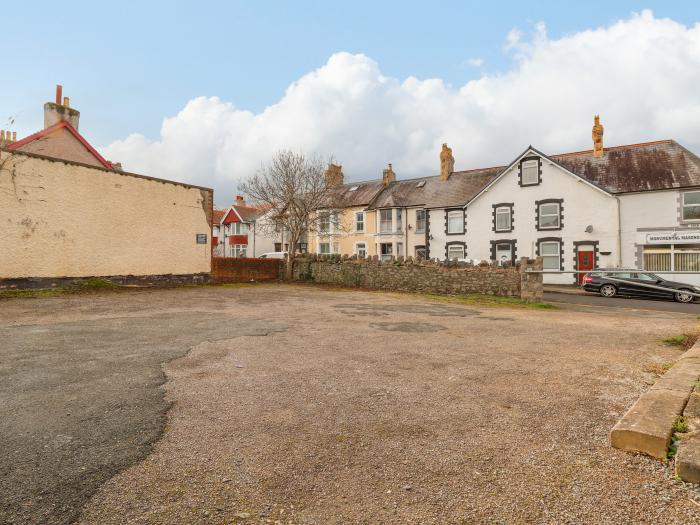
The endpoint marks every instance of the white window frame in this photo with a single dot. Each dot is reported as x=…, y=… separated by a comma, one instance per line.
x=324, y=217
x=455, y=214
x=320, y=250
x=557, y=255
x=684, y=206
x=420, y=223
x=240, y=251
x=454, y=247
x=525, y=167
x=399, y=219
x=364, y=249
x=359, y=221
x=383, y=222
x=501, y=210
x=558, y=215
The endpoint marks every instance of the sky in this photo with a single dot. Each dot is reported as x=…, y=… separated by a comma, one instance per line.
x=206, y=92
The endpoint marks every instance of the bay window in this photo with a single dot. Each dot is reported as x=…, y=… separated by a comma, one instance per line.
x=385, y=221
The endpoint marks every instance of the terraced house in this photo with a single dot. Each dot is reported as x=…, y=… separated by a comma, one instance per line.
x=348, y=226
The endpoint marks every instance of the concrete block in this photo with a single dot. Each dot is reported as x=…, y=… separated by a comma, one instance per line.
x=692, y=353
x=688, y=459
x=692, y=411
x=647, y=425
x=681, y=377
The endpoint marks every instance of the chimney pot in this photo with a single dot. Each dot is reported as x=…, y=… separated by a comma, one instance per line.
x=14, y=136
x=66, y=102
x=59, y=93
x=240, y=201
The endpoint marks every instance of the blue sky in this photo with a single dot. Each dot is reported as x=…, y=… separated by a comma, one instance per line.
x=126, y=65
x=205, y=92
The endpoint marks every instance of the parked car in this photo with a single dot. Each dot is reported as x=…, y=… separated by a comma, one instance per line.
x=635, y=283
x=274, y=255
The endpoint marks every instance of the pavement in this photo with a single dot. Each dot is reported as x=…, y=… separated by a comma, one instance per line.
x=295, y=404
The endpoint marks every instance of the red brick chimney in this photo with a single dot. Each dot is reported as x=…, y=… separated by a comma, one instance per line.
x=240, y=201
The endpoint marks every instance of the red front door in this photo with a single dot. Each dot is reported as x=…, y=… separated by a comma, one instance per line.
x=586, y=262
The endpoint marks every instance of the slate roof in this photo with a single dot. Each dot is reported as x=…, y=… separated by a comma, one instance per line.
x=342, y=197
x=649, y=166
x=455, y=191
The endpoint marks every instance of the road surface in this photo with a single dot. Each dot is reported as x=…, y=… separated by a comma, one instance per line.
x=596, y=301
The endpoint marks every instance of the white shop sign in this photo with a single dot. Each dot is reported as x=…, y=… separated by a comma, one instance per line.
x=671, y=237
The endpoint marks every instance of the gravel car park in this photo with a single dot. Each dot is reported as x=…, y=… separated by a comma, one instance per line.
x=275, y=403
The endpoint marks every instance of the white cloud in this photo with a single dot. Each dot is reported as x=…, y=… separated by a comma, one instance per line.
x=475, y=62
x=641, y=74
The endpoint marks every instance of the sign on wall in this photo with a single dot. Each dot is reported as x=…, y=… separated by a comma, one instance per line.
x=674, y=237
x=201, y=238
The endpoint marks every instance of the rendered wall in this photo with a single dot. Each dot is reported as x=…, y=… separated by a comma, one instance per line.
x=60, y=219
x=582, y=206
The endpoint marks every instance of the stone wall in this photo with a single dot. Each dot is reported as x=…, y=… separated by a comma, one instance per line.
x=422, y=276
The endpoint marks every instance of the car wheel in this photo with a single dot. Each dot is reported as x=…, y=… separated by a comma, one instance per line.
x=608, y=290
x=683, y=296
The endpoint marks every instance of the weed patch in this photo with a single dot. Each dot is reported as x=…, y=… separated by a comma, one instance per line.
x=682, y=341
x=93, y=284
x=658, y=369
x=680, y=424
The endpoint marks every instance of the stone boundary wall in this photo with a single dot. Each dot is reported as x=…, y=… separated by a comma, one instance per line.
x=410, y=275
x=238, y=270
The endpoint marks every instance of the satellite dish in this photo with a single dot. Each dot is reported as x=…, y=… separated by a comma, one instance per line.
x=589, y=228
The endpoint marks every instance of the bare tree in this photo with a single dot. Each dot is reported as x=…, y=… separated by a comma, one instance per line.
x=292, y=187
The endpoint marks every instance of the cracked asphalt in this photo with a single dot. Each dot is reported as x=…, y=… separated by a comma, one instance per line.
x=81, y=400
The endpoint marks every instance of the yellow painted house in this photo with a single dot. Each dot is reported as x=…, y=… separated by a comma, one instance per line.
x=349, y=228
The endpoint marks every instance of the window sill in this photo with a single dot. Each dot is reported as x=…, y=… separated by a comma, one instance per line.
x=455, y=233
